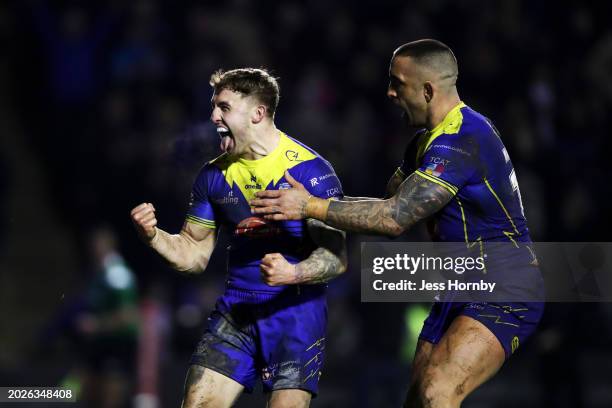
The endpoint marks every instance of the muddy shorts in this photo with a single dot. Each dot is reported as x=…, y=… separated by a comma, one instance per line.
x=277, y=337
x=511, y=322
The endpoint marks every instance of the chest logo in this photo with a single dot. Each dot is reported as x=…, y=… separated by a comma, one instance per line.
x=292, y=155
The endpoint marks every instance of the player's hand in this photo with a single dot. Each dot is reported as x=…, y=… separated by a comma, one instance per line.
x=276, y=271
x=144, y=221
x=280, y=205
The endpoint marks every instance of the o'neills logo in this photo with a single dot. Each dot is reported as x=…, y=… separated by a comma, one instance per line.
x=255, y=227
x=255, y=185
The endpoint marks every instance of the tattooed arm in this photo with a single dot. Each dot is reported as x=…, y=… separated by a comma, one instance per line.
x=324, y=263
x=417, y=198
x=394, y=182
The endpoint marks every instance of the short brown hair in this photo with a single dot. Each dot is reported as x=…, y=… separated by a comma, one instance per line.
x=431, y=53
x=249, y=81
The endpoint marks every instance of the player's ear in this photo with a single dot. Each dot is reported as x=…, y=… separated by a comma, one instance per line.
x=259, y=113
x=428, y=91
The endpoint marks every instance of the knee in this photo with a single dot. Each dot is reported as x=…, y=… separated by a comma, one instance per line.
x=435, y=389
x=292, y=398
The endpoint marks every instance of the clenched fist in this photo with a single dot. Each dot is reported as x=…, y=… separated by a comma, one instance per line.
x=276, y=271
x=144, y=221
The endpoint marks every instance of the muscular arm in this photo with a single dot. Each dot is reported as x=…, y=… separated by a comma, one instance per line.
x=188, y=251
x=416, y=198
x=324, y=263
x=328, y=260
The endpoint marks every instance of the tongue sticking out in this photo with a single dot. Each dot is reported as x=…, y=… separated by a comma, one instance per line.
x=227, y=144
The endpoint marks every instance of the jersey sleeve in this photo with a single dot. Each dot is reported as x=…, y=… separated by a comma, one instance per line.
x=450, y=161
x=200, y=210
x=320, y=179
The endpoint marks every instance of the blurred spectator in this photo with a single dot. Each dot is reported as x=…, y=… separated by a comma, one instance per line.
x=108, y=326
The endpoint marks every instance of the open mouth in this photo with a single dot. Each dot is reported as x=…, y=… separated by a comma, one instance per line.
x=227, y=140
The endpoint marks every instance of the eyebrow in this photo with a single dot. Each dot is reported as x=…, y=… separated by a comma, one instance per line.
x=396, y=79
x=220, y=104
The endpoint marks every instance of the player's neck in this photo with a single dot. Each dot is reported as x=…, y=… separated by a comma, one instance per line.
x=441, y=109
x=263, y=142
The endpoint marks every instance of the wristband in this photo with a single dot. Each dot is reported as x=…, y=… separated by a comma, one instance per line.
x=317, y=208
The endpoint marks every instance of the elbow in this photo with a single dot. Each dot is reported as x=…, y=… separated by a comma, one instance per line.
x=394, y=231
x=342, y=267
x=196, y=268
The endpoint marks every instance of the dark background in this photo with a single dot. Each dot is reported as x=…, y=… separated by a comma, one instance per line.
x=104, y=105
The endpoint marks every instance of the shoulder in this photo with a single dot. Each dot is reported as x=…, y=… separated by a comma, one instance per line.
x=466, y=133
x=221, y=162
x=302, y=157
x=295, y=151
x=476, y=125
x=315, y=172
x=209, y=170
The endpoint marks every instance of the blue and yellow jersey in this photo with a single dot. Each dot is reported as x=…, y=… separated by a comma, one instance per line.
x=221, y=195
x=465, y=155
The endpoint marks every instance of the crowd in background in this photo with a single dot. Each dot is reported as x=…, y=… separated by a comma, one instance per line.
x=112, y=101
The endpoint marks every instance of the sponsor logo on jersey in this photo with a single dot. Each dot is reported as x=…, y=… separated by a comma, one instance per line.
x=255, y=184
x=313, y=182
x=284, y=186
x=326, y=176
x=453, y=148
x=228, y=199
x=292, y=155
x=435, y=169
x=439, y=160
x=332, y=191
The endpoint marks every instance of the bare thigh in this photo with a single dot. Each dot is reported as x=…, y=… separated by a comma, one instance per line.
x=206, y=388
x=293, y=398
x=467, y=355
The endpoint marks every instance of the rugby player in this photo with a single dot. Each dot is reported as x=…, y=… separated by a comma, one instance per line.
x=458, y=175
x=270, y=323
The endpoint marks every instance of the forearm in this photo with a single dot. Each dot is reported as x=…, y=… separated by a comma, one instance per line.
x=321, y=266
x=416, y=199
x=327, y=261
x=179, y=251
x=368, y=217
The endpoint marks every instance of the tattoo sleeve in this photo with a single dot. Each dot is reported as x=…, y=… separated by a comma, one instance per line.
x=328, y=260
x=394, y=182
x=416, y=198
